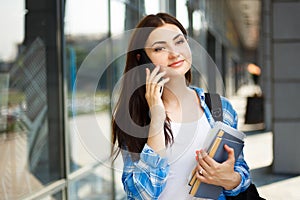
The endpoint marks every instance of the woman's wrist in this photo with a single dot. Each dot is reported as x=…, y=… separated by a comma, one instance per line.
x=156, y=140
x=235, y=181
x=156, y=137
x=157, y=113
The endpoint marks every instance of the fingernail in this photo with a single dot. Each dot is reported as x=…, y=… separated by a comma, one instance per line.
x=203, y=153
x=199, y=156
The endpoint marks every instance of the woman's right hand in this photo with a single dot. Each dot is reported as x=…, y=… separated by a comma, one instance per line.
x=154, y=89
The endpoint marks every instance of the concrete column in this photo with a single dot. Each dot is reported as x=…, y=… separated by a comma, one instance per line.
x=265, y=60
x=285, y=84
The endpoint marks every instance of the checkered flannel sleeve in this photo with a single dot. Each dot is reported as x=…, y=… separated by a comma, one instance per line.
x=145, y=178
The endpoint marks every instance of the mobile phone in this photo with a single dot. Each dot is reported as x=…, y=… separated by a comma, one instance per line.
x=145, y=60
x=147, y=63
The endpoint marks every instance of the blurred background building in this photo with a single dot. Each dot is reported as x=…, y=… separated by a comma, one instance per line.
x=45, y=146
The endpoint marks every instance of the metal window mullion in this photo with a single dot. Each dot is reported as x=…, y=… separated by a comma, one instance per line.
x=82, y=172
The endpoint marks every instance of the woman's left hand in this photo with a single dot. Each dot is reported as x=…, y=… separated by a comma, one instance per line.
x=222, y=174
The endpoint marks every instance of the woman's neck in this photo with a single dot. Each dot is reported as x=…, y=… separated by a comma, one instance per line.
x=180, y=101
x=175, y=91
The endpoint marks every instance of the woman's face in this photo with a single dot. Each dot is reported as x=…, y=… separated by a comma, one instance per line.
x=167, y=47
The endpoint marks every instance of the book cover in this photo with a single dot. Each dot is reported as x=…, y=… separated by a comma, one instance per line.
x=218, y=136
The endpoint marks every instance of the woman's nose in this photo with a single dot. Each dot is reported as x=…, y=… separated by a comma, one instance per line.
x=173, y=54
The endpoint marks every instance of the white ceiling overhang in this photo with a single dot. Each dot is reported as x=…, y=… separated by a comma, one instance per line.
x=246, y=16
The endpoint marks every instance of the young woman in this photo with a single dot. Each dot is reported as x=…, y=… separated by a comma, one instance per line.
x=160, y=120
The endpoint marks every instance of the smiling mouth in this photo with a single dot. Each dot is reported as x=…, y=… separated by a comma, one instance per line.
x=176, y=64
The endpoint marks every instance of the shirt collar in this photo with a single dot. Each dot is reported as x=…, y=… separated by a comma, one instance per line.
x=201, y=95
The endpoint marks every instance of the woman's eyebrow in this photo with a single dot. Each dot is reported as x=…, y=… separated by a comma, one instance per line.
x=164, y=42
x=158, y=42
x=177, y=36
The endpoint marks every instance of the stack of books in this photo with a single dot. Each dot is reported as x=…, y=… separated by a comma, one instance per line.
x=218, y=136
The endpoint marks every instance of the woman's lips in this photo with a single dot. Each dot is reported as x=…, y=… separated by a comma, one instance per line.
x=176, y=64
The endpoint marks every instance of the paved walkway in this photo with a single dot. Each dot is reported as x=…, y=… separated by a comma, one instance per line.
x=259, y=156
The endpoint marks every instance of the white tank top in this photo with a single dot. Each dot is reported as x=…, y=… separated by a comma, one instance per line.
x=188, y=137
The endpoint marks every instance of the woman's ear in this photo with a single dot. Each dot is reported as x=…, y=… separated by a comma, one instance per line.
x=138, y=56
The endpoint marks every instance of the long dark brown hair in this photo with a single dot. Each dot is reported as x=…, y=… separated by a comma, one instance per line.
x=131, y=118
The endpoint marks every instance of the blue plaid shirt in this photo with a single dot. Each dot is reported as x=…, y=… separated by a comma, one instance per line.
x=146, y=178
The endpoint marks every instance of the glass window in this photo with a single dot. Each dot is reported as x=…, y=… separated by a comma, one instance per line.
x=88, y=99
x=86, y=18
x=196, y=22
x=95, y=185
x=28, y=151
x=117, y=16
x=12, y=32
x=151, y=6
x=56, y=196
x=182, y=13
x=86, y=25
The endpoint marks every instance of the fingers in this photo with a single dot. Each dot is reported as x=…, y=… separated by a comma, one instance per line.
x=230, y=152
x=213, y=172
x=205, y=162
x=158, y=77
x=163, y=81
x=154, y=76
x=201, y=171
x=155, y=80
x=204, y=159
x=147, y=78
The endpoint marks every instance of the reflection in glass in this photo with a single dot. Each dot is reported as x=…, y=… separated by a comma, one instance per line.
x=89, y=116
x=56, y=196
x=96, y=185
x=151, y=6
x=118, y=16
x=12, y=29
x=86, y=25
x=25, y=149
x=182, y=13
x=86, y=18
x=24, y=146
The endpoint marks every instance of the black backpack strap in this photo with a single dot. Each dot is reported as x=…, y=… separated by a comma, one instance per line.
x=213, y=101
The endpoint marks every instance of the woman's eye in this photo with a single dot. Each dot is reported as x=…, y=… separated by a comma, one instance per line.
x=180, y=41
x=157, y=49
